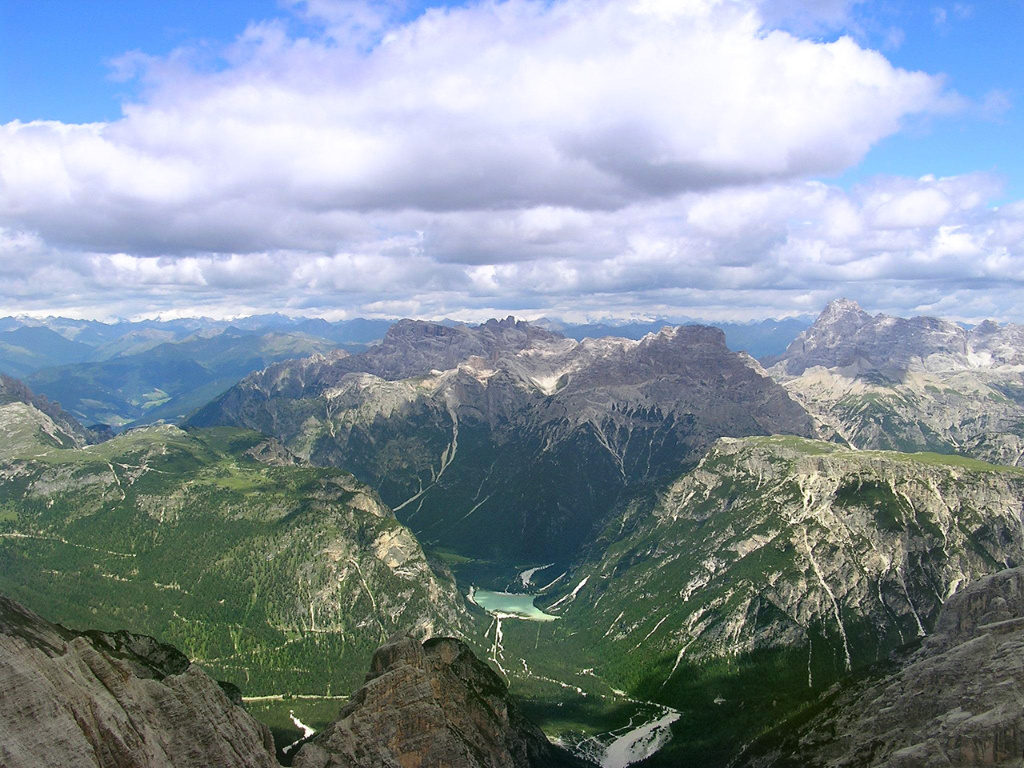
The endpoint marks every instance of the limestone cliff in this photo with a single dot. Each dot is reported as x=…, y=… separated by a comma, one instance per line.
x=954, y=702
x=92, y=700
x=31, y=421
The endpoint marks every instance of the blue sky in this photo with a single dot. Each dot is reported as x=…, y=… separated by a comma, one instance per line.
x=976, y=46
x=56, y=54
x=720, y=158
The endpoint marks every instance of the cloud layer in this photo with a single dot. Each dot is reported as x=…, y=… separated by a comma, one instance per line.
x=568, y=157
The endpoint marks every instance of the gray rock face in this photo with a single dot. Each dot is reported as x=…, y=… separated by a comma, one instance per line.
x=506, y=441
x=27, y=416
x=955, y=702
x=434, y=704
x=921, y=384
x=113, y=701
x=783, y=543
x=845, y=335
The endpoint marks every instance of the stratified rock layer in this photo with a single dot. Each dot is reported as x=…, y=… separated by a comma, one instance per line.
x=113, y=701
x=434, y=704
x=956, y=701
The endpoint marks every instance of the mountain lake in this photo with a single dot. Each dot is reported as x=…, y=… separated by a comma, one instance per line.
x=508, y=604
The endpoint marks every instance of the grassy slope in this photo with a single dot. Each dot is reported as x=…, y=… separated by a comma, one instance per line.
x=246, y=568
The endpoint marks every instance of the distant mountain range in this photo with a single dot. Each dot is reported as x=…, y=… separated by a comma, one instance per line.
x=132, y=373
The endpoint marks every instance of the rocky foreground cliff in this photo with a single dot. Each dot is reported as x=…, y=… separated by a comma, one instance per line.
x=954, y=702
x=118, y=700
x=30, y=421
x=95, y=700
x=433, y=704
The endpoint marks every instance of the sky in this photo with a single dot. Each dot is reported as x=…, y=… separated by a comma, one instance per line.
x=579, y=159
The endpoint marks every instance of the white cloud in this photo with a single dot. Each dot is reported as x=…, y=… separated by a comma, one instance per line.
x=772, y=249
x=566, y=157
x=570, y=104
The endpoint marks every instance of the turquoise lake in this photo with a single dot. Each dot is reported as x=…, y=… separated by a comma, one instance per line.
x=520, y=606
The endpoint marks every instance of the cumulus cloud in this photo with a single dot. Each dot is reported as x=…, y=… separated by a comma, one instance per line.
x=896, y=244
x=571, y=104
x=564, y=157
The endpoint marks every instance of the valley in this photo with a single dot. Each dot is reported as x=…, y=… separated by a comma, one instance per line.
x=259, y=571
x=665, y=549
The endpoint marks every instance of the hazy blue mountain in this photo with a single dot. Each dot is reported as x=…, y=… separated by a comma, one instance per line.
x=168, y=380
x=25, y=349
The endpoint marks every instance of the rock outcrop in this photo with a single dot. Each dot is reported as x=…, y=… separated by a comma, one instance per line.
x=27, y=419
x=433, y=704
x=955, y=702
x=505, y=441
x=94, y=700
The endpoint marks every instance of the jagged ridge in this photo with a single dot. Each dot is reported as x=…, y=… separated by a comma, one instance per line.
x=506, y=441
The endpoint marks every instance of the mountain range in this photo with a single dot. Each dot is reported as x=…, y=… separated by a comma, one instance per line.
x=132, y=373
x=728, y=558
x=922, y=384
x=506, y=441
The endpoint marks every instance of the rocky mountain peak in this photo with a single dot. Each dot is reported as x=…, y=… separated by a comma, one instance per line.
x=842, y=310
x=845, y=336
x=687, y=335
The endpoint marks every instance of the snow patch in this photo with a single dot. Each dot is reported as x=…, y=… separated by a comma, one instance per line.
x=526, y=577
x=572, y=595
x=641, y=742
